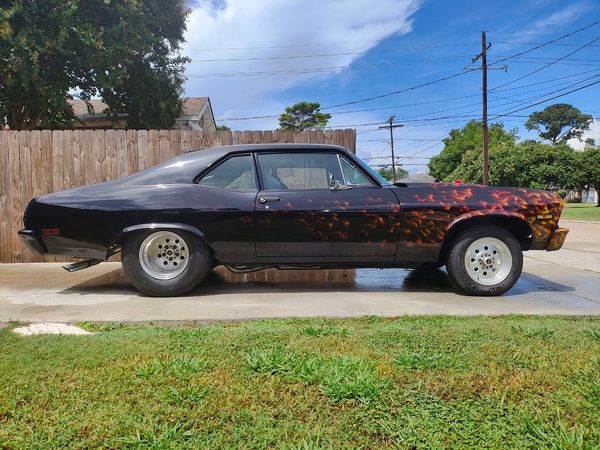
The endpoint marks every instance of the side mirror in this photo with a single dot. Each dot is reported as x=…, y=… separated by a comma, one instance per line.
x=332, y=180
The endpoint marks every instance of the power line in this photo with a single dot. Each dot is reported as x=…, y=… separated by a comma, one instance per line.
x=406, y=49
x=429, y=83
x=548, y=65
x=561, y=44
x=396, y=139
x=548, y=99
x=547, y=43
x=268, y=116
x=278, y=57
x=309, y=70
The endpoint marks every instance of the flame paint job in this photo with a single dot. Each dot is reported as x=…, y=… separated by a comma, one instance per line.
x=382, y=225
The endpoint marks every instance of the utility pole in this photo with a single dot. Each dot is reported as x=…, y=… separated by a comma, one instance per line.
x=390, y=126
x=484, y=68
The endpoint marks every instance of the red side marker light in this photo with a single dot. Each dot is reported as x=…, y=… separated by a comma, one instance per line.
x=50, y=231
x=458, y=182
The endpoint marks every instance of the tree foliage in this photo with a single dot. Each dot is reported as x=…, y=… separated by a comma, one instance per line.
x=303, y=116
x=559, y=122
x=387, y=173
x=588, y=170
x=123, y=51
x=467, y=140
x=527, y=164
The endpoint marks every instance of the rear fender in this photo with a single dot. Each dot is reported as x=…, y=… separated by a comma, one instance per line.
x=159, y=226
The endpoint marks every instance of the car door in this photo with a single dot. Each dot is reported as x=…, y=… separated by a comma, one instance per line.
x=318, y=207
x=224, y=208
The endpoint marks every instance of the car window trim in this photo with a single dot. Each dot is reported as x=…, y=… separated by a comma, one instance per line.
x=360, y=170
x=339, y=154
x=223, y=160
x=284, y=152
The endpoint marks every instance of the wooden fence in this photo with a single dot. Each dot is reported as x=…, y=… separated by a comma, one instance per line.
x=33, y=163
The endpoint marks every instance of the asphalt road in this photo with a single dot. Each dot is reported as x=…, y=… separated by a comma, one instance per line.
x=564, y=282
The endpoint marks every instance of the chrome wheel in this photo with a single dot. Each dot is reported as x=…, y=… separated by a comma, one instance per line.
x=164, y=255
x=488, y=261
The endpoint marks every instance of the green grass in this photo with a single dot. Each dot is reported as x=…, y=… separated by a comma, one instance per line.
x=412, y=382
x=581, y=211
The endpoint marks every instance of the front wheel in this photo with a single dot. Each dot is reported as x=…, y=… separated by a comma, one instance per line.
x=165, y=263
x=485, y=260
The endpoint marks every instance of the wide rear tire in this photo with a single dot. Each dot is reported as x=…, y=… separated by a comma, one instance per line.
x=485, y=260
x=165, y=263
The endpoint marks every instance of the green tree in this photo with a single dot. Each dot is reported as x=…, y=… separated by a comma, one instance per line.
x=464, y=140
x=303, y=116
x=559, y=122
x=589, y=170
x=527, y=164
x=122, y=51
x=387, y=173
x=223, y=128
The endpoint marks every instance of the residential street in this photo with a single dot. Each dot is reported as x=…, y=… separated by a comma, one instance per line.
x=563, y=282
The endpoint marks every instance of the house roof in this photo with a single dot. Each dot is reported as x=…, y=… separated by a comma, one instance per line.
x=81, y=111
x=192, y=107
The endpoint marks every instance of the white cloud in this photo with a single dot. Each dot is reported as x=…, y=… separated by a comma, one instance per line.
x=242, y=23
x=593, y=133
x=555, y=21
x=559, y=19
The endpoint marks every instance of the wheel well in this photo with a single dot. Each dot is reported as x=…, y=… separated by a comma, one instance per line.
x=116, y=246
x=519, y=229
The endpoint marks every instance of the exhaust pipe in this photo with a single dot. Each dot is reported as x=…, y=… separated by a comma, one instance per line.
x=74, y=267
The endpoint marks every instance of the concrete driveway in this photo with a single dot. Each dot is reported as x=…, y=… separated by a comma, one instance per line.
x=563, y=282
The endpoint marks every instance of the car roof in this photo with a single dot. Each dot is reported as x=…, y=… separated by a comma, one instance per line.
x=185, y=167
x=243, y=148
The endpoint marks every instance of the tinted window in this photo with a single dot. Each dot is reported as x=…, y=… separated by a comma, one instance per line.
x=353, y=176
x=236, y=172
x=299, y=170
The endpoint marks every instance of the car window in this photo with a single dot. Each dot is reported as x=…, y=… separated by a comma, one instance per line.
x=353, y=176
x=299, y=170
x=236, y=172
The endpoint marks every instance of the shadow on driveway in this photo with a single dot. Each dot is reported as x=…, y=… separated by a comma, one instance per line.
x=222, y=281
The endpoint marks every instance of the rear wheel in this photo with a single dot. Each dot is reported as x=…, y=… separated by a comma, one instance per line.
x=165, y=263
x=485, y=260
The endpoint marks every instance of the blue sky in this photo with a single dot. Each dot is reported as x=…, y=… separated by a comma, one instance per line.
x=254, y=58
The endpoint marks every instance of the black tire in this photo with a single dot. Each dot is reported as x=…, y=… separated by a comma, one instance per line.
x=459, y=267
x=200, y=262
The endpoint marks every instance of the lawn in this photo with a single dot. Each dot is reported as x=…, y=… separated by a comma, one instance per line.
x=412, y=382
x=581, y=211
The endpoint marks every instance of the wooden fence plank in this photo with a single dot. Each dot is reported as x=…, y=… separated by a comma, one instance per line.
x=5, y=245
x=26, y=190
x=14, y=208
x=122, y=155
x=142, y=149
x=153, y=148
x=111, y=155
x=68, y=158
x=186, y=141
x=164, y=143
x=174, y=143
x=35, y=146
x=133, y=162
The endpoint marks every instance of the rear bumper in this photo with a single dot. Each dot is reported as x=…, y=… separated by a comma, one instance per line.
x=32, y=241
x=557, y=239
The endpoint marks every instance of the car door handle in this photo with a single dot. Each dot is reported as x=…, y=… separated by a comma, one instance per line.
x=264, y=200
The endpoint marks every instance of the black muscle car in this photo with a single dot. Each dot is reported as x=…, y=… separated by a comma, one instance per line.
x=291, y=205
